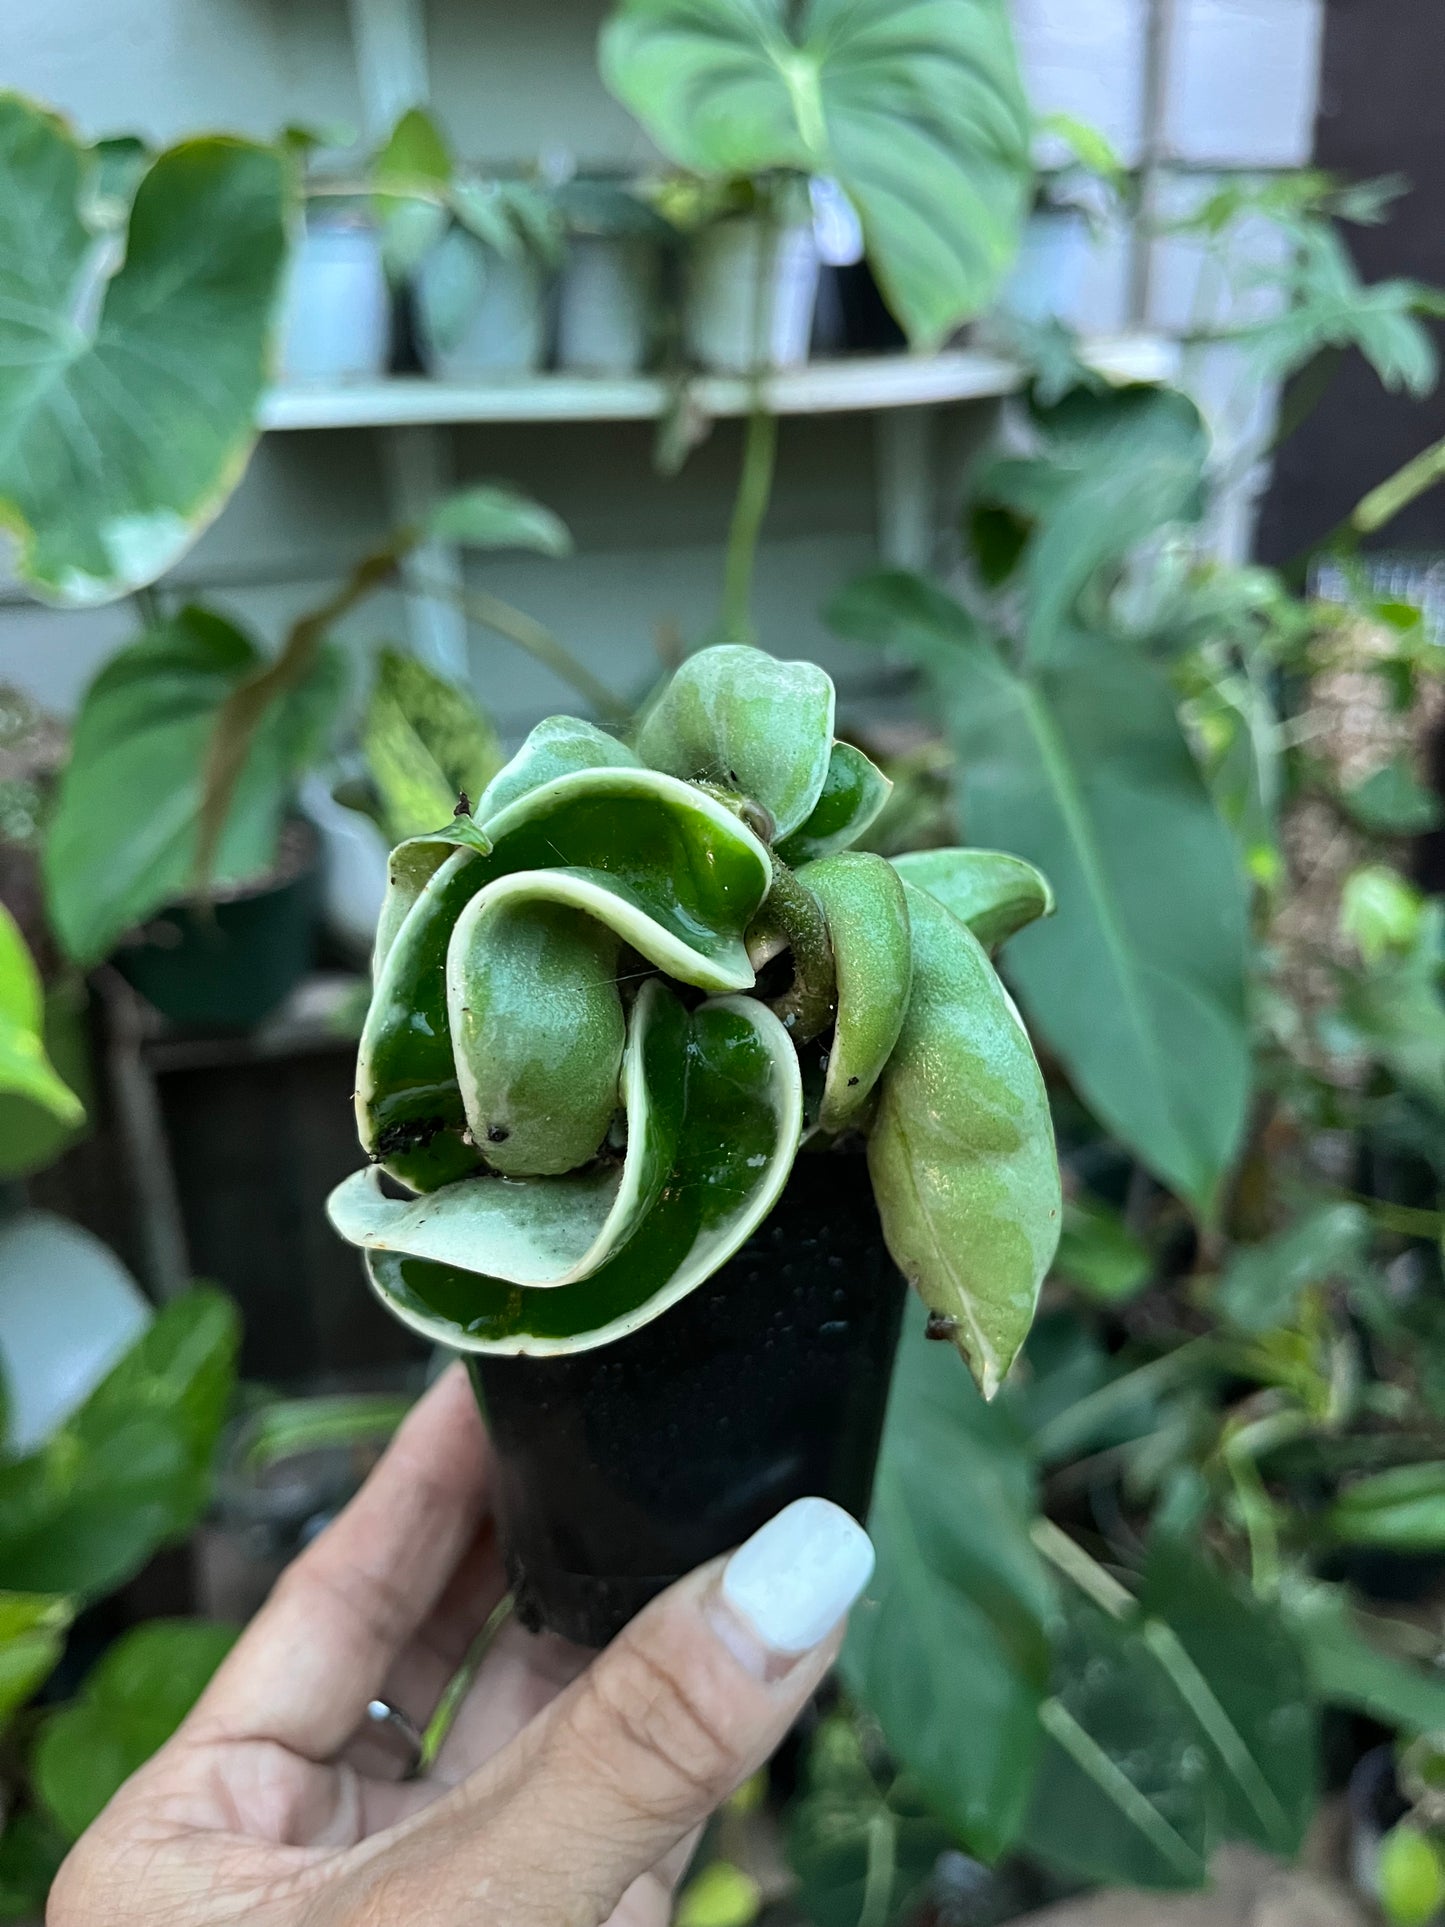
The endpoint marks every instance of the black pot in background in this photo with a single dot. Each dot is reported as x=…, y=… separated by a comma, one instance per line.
x=227, y=965
x=621, y=1469
x=851, y=317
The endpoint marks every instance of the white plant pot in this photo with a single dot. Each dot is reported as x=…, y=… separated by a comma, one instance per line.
x=354, y=857
x=1047, y=283
x=336, y=316
x=69, y=1311
x=750, y=291
x=479, y=314
x=606, y=301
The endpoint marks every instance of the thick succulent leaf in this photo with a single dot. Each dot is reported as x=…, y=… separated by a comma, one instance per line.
x=678, y=871
x=740, y=1135
x=545, y=1231
x=993, y=893
x=738, y=718
x=867, y=915
x=127, y=407
x=962, y=1149
x=913, y=106
x=410, y=868
x=558, y=746
x=426, y=745
x=854, y=792
x=537, y=1026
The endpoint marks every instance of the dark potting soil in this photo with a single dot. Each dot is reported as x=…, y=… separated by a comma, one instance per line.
x=623, y=1468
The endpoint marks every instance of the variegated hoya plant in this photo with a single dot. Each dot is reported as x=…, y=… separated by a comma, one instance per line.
x=614, y=1001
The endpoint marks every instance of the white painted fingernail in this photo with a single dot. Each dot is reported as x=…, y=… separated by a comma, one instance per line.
x=796, y=1577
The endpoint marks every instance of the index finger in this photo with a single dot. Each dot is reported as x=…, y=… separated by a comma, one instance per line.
x=320, y=1647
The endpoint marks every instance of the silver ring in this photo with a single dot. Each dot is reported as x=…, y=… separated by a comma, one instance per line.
x=383, y=1717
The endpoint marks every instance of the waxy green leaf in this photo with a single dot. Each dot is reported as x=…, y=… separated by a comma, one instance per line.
x=740, y=1134
x=25, y=1069
x=537, y=1026
x=993, y=893
x=410, y=868
x=867, y=918
x=741, y=720
x=128, y=404
x=669, y=869
x=962, y=1149
x=854, y=792
x=545, y=1231
x=558, y=746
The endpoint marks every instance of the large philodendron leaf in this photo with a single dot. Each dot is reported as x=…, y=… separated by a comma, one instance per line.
x=558, y=746
x=127, y=407
x=867, y=919
x=994, y=893
x=545, y=1231
x=854, y=792
x=740, y=1134
x=914, y=106
x=737, y=718
x=1137, y=985
x=962, y=1149
x=671, y=870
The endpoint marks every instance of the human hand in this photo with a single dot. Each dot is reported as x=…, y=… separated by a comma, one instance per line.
x=569, y=1790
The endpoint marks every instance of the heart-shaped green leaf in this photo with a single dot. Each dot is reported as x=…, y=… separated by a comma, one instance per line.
x=536, y=1025
x=128, y=407
x=867, y=915
x=993, y=893
x=962, y=1149
x=674, y=872
x=545, y=1231
x=854, y=791
x=914, y=107
x=558, y=746
x=743, y=721
x=739, y=1138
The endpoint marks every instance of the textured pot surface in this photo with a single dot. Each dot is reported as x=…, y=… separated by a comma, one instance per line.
x=621, y=1469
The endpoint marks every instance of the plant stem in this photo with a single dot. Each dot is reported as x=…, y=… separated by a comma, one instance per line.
x=807, y=1007
x=537, y=641
x=1087, y=1574
x=755, y=487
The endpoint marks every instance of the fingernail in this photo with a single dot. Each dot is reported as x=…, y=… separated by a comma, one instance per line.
x=795, y=1578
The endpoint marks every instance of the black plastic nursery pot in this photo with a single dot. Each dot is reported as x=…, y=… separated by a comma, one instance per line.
x=620, y=1469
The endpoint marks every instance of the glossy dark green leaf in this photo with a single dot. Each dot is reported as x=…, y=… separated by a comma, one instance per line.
x=854, y=792
x=669, y=868
x=916, y=110
x=1264, y=1283
x=426, y=745
x=867, y=918
x=862, y=1839
x=744, y=1114
x=32, y=1638
x=1239, y=1668
x=130, y=1470
x=129, y=406
x=1137, y=984
x=1402, y=1509
x=546, y=1231
x=962, y=1149
x=948, y=1649
x=995, y=894
x=131, y=1702
x=737, y=718
x=123, y=839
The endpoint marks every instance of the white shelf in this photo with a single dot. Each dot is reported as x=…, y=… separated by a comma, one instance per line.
x=822, y=388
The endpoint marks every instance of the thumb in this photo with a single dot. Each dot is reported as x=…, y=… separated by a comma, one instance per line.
x=688, y=1701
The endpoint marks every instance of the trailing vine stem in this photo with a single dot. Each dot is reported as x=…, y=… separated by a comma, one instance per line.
x=809, y=1004
x=755, y=487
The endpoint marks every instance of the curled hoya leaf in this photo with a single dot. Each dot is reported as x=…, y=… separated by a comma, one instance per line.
x=683, y=856
x=537, y=1028
x=740, y=1134
x=994, y=893
x=867, y=917
x=545, y=1232
x=854, y=791
x=739, y=719
x=962, y=1148
x=410, y=869
x=558, y=746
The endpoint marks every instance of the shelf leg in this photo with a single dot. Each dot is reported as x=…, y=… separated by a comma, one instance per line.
x=906, y=487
